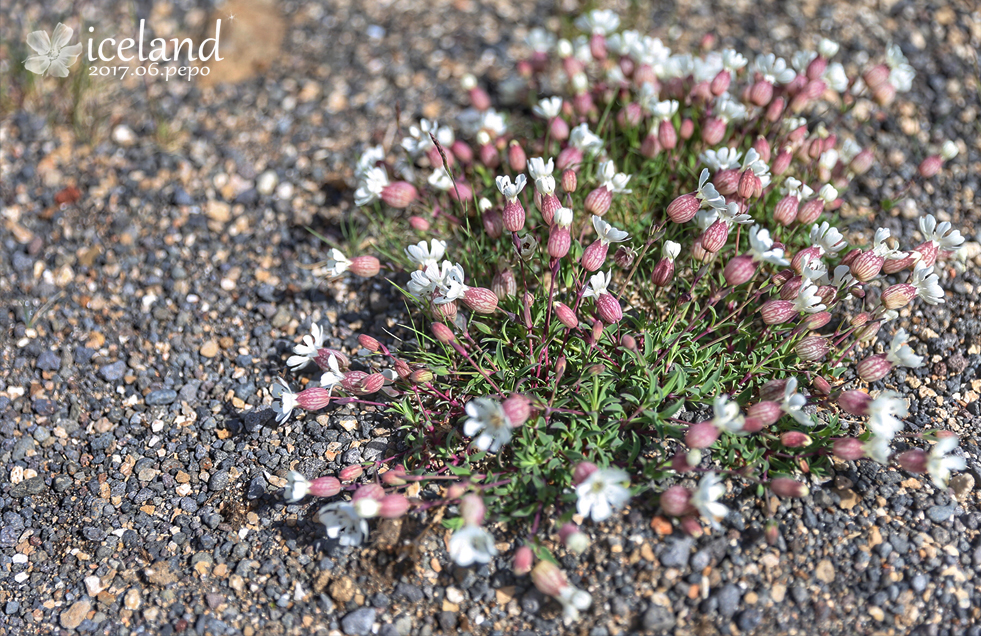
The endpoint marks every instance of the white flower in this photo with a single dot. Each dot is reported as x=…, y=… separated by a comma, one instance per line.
x=733, y=215
x=487, y=417
x=337, y=263
x=704, y=69
x=901, y=354
x=828, y=239
x=448, y=279
x=662, y=111
x=728, y=109
x=793, y=187
x=373, y=180
x=548, y=108
x=611, y=179
x=425, y=255
x=287, y=400
x=343, y=523
x=537, y=168
x=939, y=464
x=726, y=415
x=670, y=250
x=598, y=22
x=884, y=412
x=607, y=233
x=367, y=507
x=705, y=499
x=564, y=48
x=940, y=234
x=927, y=284
x=949, y=150
x=509, y=190
x=527, y=245
x=573, y=601
x=842, y=277
x=877, y=449
x=828, y=193
x=598, y=284
x=441, y=179
x=901, y=73
x=419, y=141
x=721, y=159
x=793, y=403
x=793, y=123
x=773, y=69
x=54, y=56
x=753, y=161
x=333, y=376
x=540, y=40
x=808, y=300
x=562, y=217
x=582, y=138
x=835, y=77
x=489, y=122
x=707, y=193
x=297, y=487
x=761, y=247
x=368, y=160
x=603, y=492
x=800, y=60
x=881, y=248
x=545, y=185
x=471, y=544
x=814, y=270
x=732, y=60
x=828, y=159
x=306, y=351
x=849, y=150
x=580, y=83
x=827, y=48
x=705, y=218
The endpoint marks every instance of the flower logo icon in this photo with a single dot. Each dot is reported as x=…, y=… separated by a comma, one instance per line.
x=53, y=57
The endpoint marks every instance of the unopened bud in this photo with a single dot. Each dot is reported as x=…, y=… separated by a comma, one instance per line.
x=812, y=348
x=566, y=316
x=624, y=257
x=517, y=408
x=874, y=368
x=687, y=128
x=418, y=223
x=930, y=166
x=810, y=211
x=608, y=309
x=773, y=391
x=913, y=461
x=663, y=272
x=768, y=411
x=785, y=211
x=516, y=157
x=364, y=266
x=313, y=398
x=513, y=216
x=713, y=131
x=394, y=477
x=795, y=439
x=854, y=402
x=325, y=487
x=861, y=162
x=472, y=510
x=493, y=223
x=368, y=491
x=683, y=208
x=480, y=300
x=772, y=533
x=393, y=506
x=569, y=181
x=786, y=487
x=818, y=320
x=726, y=182
x=573, y=538
x=866, y=266
x=762, y=147
x=739, y=270
x=399, y=194
x=524, y=558
x=559, y=369
x=782, y=162
x=504, y=284
x=898, y=296
x=701, y=435
x=598, y=201
x=676, y=501
x=821, y=385
x=443, y=333
x=692, y=527
x=368, y=342
x=549, y=579
x=462, y=151
x=582, y=471
x=849, y=449
x=715, y=236
x=775, y=312
x=455, y=491
x=421, y=376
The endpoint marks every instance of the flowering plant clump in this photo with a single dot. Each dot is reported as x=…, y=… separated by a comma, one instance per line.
x=649, y=283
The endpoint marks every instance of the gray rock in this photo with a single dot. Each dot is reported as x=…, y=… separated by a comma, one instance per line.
x=161, y=397
x=28, y=487
x=358, y=622
x=728, y=599
x=939, y=514
x=49, y=361
x=677, y=552
x=658, y=618
x=113, y=372
x=218, y=481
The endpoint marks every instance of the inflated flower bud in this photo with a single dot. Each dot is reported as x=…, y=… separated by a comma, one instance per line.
x=549, y=579
x=849, y=449
x=350, y=473
x=715, y=236
x=785, y=211
x=368, y=342
x=687, y=128
x=775, y=312
x=692, y=527
x=443, y=311
x=493, y=223
x=720, y=83
x=874, y=368
x=503, y=284
x=461, y=191
x=876, y=76
x=472, y=510
x=866, y=266
x=517, y=408
x=767, y=411
x=898, y=296
x=781, y=163
x=713, y=131
x=443, y=333
x=775, y=110
x=739, y=270
x=812, y=348
x=402, y=368
x=683, y=208
x=861, y=162
x=930, y=166
x=791, y=289
x=701, y=435
x=761, y=93
x=313, y=398
x=786, y=487
x=325, y=487
x=489, y=156
x=419, y=224
x=884, y=95
x=624, y=257
x=676, y=501
x=455, y=491
x=573, y=538
x=421, y=376
x=630, y=115
x=582, y=471
x=854, y=402
x=821, y=385
x=795, y=439
x=371, y=383
x=597, y=332
x=667, y=136
x=650, y=147
x=748, y=184
x=726, y=182
x=480, y=300
x=663, y=272
x=684, y=462
x=394, y=477
x=559, y=241
x=594, y=255
x=868, y=332
x=569, y=181
x=559, y=129
x=913, y=461
x=816, y=321
x=608, y=309
x=524, y=558
x=514, y=216
x=566, y=316
x=559, y=369
x=393, y=506
x=516, y=157
x=570, y=158
x=598, y=201
x=810, y=211
x=462, y=151
x=364, y=266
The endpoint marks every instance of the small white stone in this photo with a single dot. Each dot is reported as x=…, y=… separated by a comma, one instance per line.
x=285, y=191
x=453, y=595
x=123, y=135
x=19, y=558
x=20, y=578
x=93, y=585
x=266, y=183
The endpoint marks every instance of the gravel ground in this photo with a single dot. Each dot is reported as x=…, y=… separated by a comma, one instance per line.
x=155, y=273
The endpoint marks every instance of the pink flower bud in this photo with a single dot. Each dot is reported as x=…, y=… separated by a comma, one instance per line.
x=394, y=477
x=550, y=205
x=462, y=191
x=650, y=147
x=767, y=411
x=313, y=399
x=928, y=251
x=559, y=129
x=574, y=539
x=350, y=473
x=472, y=510
x=761, y=93
x=775, y=312
x=598, y=201
x=462, y=151
x=785, y=211
x=549, y=579
x=421, y=376
x=583, y=104
x=630, y=115
x=582, y=471
x=812, y=348
x=368, y=491
x=516, y=157
x=866, y=266
x=624, y=257
x=399, y=194
x=559, y=241
x=455, y=491
x=444, y=311
x=325, y=487
x=821, y=385
x=480, y=300
x=747, y=184
x=791, y=289
x=503, y=284
x=692, y=527
x=795, y=439
x=715, y=236
x=524, y=558
x=594, y=255
x=809, y=253
x=930, y=166
x=810, y=211
x=786, y=487
x=868, y=332
x=898, y=296
x=559, y=369
x=402, y=368
x=684, y=208
x=720, y=83
x=818, y=320
x=854, y=402
x=608, y=309
x=726, y=182
x=517, y=408
x=876, y=76
x=479, y=98
x=874, y=368
x=701, y=435
x=816, y=68
x=739, y=270
x=781, y=163
x=566, y=316
x=676, y=501
x=368, y=342
x=569, y=158
x=569, y=181
x=849, y=449
x=762, y=147
x=443, y=333
x=666, y=135
x=861, y=162
x=352, y=381
x=393, y=506
x=372, y=383
x=323, y=359
x=913, y=461
x=663, y=272
x=493, y=223
x=489, y=156
x=884, y=95
x=683, y=462
x=364, y=266
x=713, y=131
x=514, y=216
x=597, y=333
